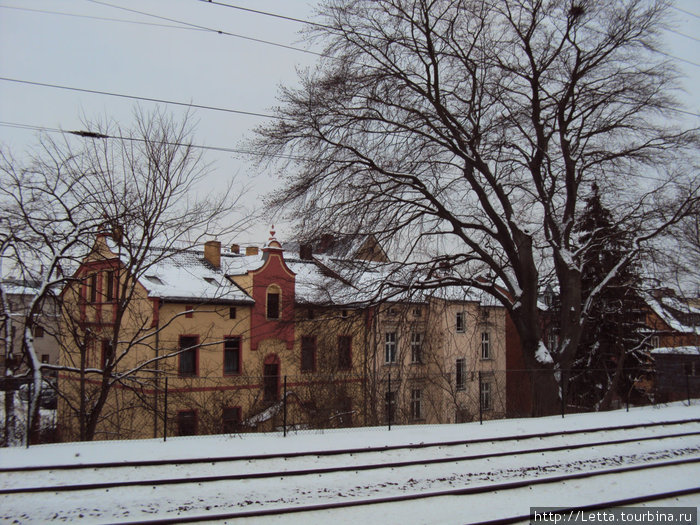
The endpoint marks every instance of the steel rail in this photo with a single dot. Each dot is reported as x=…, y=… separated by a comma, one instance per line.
x=327, y=470
x=452, y=492
x=339, y=452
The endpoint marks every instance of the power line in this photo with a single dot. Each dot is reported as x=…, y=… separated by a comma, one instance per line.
x=135, y=97
x=103, y=18
x=683, y=34
x=267, y=13
x=684, y=11
x=102, y=136
x=205, y=28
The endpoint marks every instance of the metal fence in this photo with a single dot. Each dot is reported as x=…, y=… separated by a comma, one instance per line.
x=164, y=406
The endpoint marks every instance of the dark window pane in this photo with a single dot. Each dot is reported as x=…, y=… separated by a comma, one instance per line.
x=308, y=354
x=273, y=306
x=187, y=423
x=231, y=419
x=344, y=352
x=271, y=382
x=232, y=355
x=188, y=358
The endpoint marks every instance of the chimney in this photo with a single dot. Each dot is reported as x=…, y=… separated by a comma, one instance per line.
x=235, y=248
x=305, y=252
x=212, y=253
x=251, y=250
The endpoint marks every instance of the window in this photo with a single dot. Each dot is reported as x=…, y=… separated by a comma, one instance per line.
x=416, y=412
x=44, y=358
x=109, y=277
x=392, y=312
x=485, y=395
x=344, y=412
x=107, y=354
x=417, y=312
x=461, y=374
x=655, y=341
x=187, y=423
x=38, y=331
x=189, y=313
x=390, y=347
x=416, y=347
x=485, y=345
x=344, y=352
x=232, y=355
x=344, y=314
x=232, y=312
x=93, y=288
x=231, y=420
x=271, y=382
x=273, y=305
x=308, y=354
x=390, y=406
x=188, y=356
x=459, y=322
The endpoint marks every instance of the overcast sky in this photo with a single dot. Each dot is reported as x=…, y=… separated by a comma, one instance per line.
x=81, y=49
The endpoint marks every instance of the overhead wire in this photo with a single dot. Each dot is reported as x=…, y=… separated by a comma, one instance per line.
x=684, y=11
x=97, y=135
x=205, y=28
x=103, y=18
x=136, y=97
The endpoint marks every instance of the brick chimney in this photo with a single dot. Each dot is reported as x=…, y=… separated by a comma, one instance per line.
x=235, y=248
x=251, y=250
x=212, y=253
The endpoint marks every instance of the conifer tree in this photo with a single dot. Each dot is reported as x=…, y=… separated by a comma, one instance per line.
x=610, y=356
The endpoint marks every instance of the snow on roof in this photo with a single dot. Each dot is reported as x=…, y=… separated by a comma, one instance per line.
x=672, y=310
x=187, y=275
x=677, y=350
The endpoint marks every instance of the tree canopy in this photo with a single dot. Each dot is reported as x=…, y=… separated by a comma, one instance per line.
x=464, y=131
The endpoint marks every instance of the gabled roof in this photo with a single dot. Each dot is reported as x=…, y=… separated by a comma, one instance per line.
x=185, y=275
x=676, y=313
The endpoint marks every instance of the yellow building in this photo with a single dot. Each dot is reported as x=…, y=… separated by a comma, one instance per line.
x=212, y=341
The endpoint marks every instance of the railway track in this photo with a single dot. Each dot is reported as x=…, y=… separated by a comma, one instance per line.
x=326, y=470
x=664, y=446
x=501, y=488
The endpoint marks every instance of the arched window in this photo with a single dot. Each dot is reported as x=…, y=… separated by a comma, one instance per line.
x=274, y=299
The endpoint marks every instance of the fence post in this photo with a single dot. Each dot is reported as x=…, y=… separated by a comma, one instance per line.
x=165, y=411
x=481, y=408
x=28, y=430
x=284, y=420
x=563, y=392
x=389, y=401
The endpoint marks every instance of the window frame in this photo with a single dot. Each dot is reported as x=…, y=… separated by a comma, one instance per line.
x=460, y=322
x=310, y=346
x=344, y=354
x=461, y=374
x=180, y=421
x=226, y=423
x=486, y=346
x=390, y=347
x=486, y=395
x=194, y=349
x=239, y=360
x=416, y=404
x=417, y=348
x=273, y=291
x=109, y=292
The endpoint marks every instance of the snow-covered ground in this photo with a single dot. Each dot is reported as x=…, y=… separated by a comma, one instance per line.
x=148, y=502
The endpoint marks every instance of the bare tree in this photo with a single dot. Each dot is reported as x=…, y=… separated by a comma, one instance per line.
x=466, y=131
x=136, y=186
